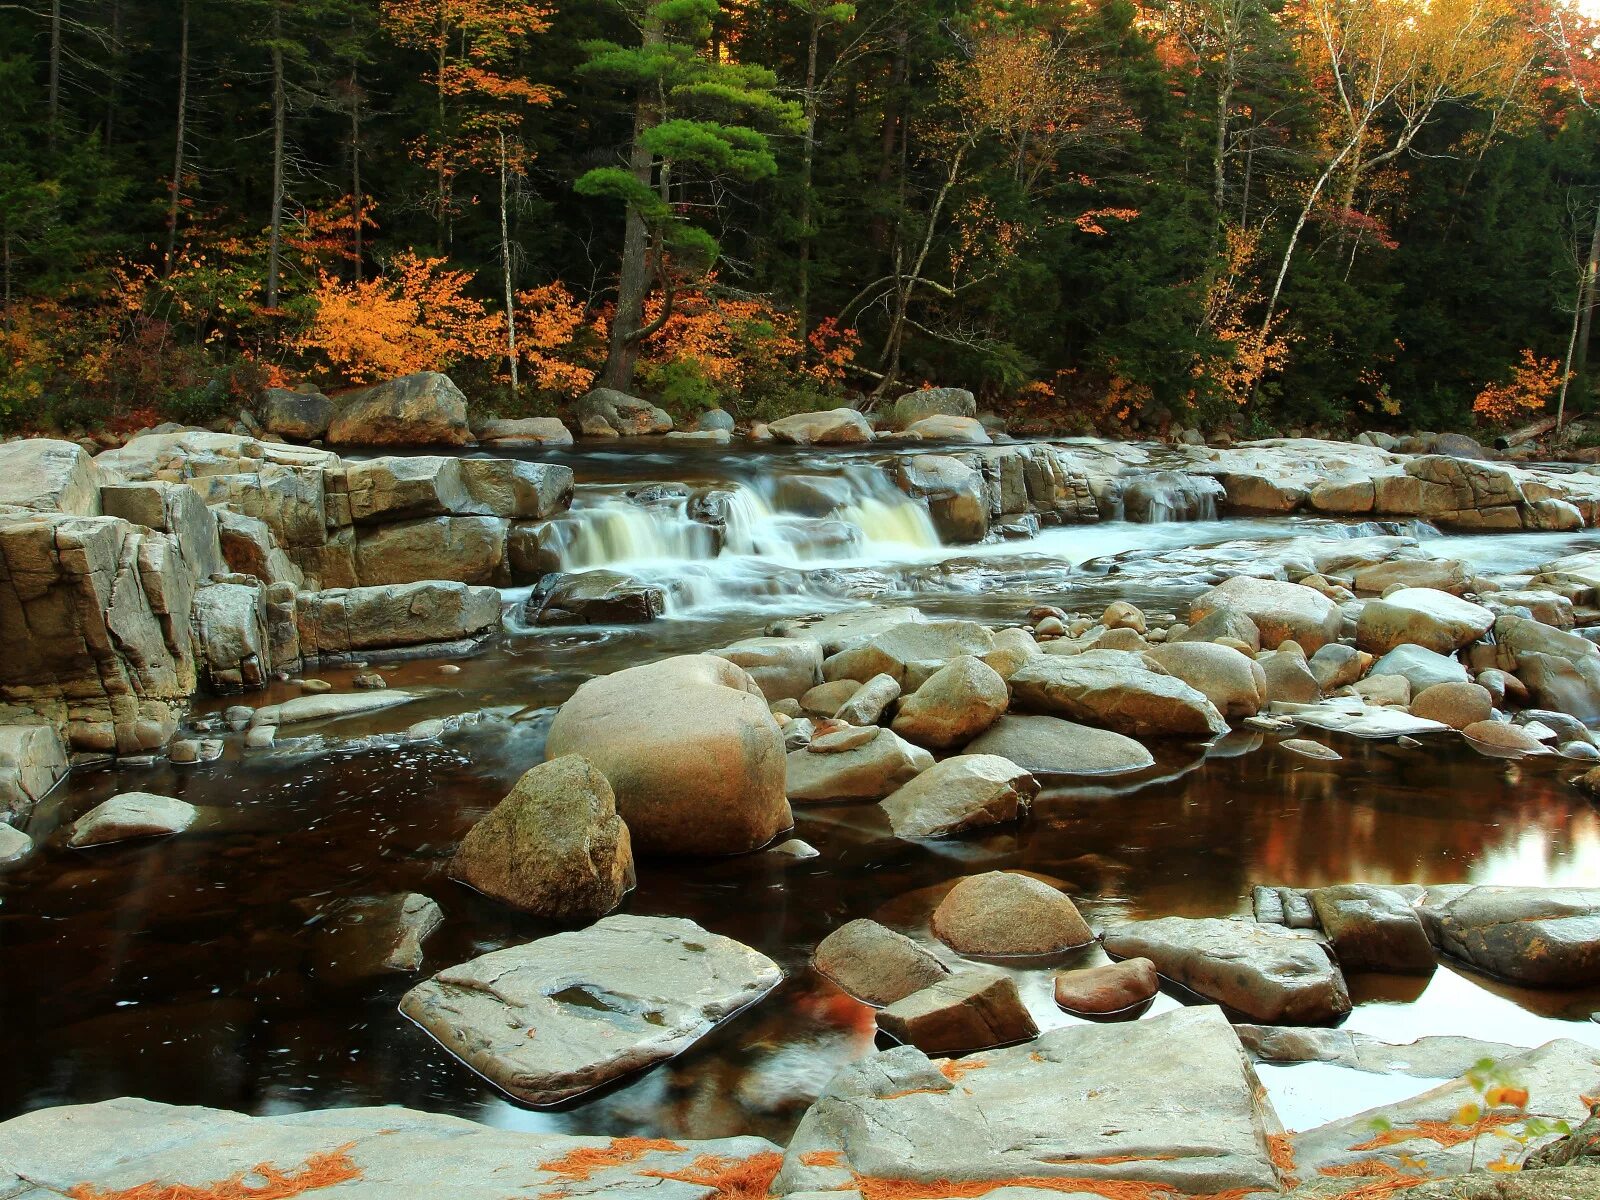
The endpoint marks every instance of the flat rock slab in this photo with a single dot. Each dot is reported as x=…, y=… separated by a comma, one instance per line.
x=1051, y=746
x=1170, y=1100
x=329, y=707
x=1267, y=973
x=562, y=1015
x=1544, y=937
x=1425, y=1058
x=1557, y=1077
x=358, y=1154
x=1358, y=720
x=131, y=815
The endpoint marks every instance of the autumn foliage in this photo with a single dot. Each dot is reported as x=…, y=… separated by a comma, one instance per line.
x=1533, y=384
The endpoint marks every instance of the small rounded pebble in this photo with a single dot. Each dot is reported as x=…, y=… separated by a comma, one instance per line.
x=1309, y=749
x=1581, y=751
x=315, y=685
x=371, y=682
x=449, y=669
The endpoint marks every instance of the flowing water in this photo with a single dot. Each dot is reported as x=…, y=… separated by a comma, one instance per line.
x=192, y=969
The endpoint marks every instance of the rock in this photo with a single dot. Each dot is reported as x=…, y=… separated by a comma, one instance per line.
x=1115, y=689
x=1498, y=740
x=1431, y=1058
x=232, y=640
x=527, y=431
x=971, y=1010
x=1390, y=690
x=955, y=704
x=1443, y=574
x=949, y=429
x=195, y=750
x=868, y=703
x=1373, y=929
x=508, y=487
x=838, y=427
x=249, y=548
x=463, y=549
x=1051, y=746
x=1457, y=445
x=554, y=846
x=797, y=849
x=846, y=630
x=1223, y=622
x=1235, y=683
x=14, y=845
x=825, y=699
x=1336, y=666
x=131, y=815
x=1004, y=914
x=836, y=738
x=1308, y=749
x=32, y=761
x=298, y=416
x=1120, y=614
x=1541, y=937
x=1113, y=988
x=1454, y=704
x=1354, y=717
x=341, y=620
x=868, y=771
x=1265, y=972
x=1421, y=617
x=894, y=1116
x=1289, y=677
x=360, y=938
x=958, y=501
x=598, y=597
x=1422, y=668
x=370, y=681
x=559, y=1016
x=417, y=410
x=969, y=791
x=328, y=707
x=875, y=964
x=1012, y=648
x=1280, y=611
x=715, y=419
x=689, y=748
x=783, y=668
x=932, y=402
x=1560, y=669
x=261, y=738
x=42, y=475
x=618, y=414
x=910, y=652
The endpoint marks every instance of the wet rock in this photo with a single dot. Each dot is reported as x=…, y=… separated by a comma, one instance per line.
x=869, y=770
x=1223, y=622
x=1051, y=746
x=868, y=703
x=958, y=501
x=932, y=402
x=797, y=849
x=261, y=738
x=554, y=846
x=32, y=761
x=526, y=431
x=783, y=668
x=1115, y=689
x=955, y=704
x=418, y=410
x=509, y=487
x=370, y=681
x=607, y=412
x=1281, y=611
x=1421, y=667
x=1499, y=740
x=1457, y=705
x=1420, y=617
x=362, y=937
x=910, y=652
x=894, y=1116
x=970, y=1010
x=1005, y=914
x=1114, y=988
x=1358, y=719
x=131, y=815
x=14, y=845
x=1373, y=929
x=1336, y=665
x=231, y=636
x=1235, y=683
x=949, y=429
x=328, y=707
x=1425, y=1058
x=1265, y=972
x=1289, y=677
x=562, y=1015
x=825, y=699
x=846, y=630
x=969, y=791
x=597, y=597
x=1308, y=749
x=1542, y=937
x=431, y=612
x=837, y=427
x=875, y=964
x=195, y=750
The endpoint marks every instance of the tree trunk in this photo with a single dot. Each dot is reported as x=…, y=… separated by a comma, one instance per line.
x=505, y=263
x=889, y=138
x=1589, y=299
x=54, y=95
x=279, y=104
x=443, y=183
x=808, y=161
x=114, y=86
x=175, y=192
x=357, y=201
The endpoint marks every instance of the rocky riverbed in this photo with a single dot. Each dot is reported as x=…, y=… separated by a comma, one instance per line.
x=899, y=812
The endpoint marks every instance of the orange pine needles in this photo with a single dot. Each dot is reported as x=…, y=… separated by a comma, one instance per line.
x=318, y=1171
x=954, y=1069
x=1385, y=1182
x=583, y=1162
x=821, y=1158
x=1443, y=1132
x=874, y=1188
x=733, y=1178
x=1280, y=1149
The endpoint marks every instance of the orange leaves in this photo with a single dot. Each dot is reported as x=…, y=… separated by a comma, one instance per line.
x=1247, y=353
x=732, y=1178
x=1532, y=384
x=319, y=1171
x=562, y=345
x=1089, y=222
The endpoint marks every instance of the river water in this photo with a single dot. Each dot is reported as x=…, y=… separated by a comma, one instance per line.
x=187, y=969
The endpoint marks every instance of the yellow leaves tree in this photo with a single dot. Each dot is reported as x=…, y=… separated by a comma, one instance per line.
x=1534, y=382
x=1249, y=352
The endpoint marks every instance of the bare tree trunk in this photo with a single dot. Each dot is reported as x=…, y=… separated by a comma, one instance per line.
x=1572, y=342
x=808, y=160
x=175, y=192
x=357, y=200
x=279, y=105
x=505, y=263
x=54, y=96
x=1294, y=236
x=1588, y=299
x=443, y=171
x=114, y=87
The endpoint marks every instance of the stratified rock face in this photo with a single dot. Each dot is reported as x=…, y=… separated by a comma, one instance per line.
x=231, y=637
x=1373, y=929
x=874, y=963
x=426, y=409
x=117, y=1147
x=1543, y=937
x=690, y=749
x=1421, y=617
x=1281, y=611
x=131, y=815
x=562, y=1015
x=606, y=412
x=1115, y=689
x=39, y=475
x=970, y=1010
x=407, y=614
x=1051, y=746
x=1002, y=914
x=32, y=761
x=1168, y=1101
x=464, y=549
x=836, y=427
x=932, y=402
x=969, y=791
x=554, y=846
x=1265, y=972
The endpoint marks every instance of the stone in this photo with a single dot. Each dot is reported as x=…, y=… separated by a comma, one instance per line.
x=1373, y=929
x=1051, y=746
x=32, y=761
x=1497, y=739
x=231, y=636
x=836, y=737
x=1267, y=973
x=190, y=751
x=932, y=402
x=469, y=549
x=957, y=499
x=1120, y=614
x=562, y=1015
x=1454, y=704
x=1384, y=690
x=949, y=429
x=970, y=1010
x=1223, y=622
x=526, y=431
x=870, y=770
x=426, y=409
x=1118, y=1102
x=14, y=845
x=42, y=475
x=910, y=652
x=783, y=668
x=1426, y=1058
x=554, y=846
x=1561, y=669
x=1290, y=679
x=1115, y=689
x=1114, y=988
x=1003, y=914
x=364, y=937
x=328, y=707
x=261, y=738
x=1336, y=665
x=1280, y=611
x=715, y=420
x=298, y=416
x=248, y=548
x=598, y=597
x=846, y=630
x=131, y=815
x=825, y=699
x=1358, y=719
x=1235, y=683
x=610, y=413
x=874, y=963
x=837, y=427
x=1421, y=667
x=693, y=755
x=1443, y=574
x=869, y=702
x=1012, y=649
x=1309, y=749
x=340, y=620
x=969, y=791
x=1540, y=937
x=1420, y=617
x=954, y=705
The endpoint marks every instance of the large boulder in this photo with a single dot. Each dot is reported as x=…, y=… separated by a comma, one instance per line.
x=554, y=846
x=1373, y=929
x=871, y=764
x=1443, y=574
x=957, y=499
x=32, y=761
x=949, y=429
x=783, y=668
x=560, y=1016
x=426, y=409
x=1115, y=689
x=932, y=402
x=1561, y=669
x=408, y=614
x=689, y=748
x=598, y=597
x=970, y=1010
x=606, y=412
x=232, y=641
x=837, y=427
x=969, y=791
x=956, y=703
x=1266, y=973
x=910, y=652
x=1280, y=611
x=1232, y=681
x=300, y=416
x=463, y=549
x=1541, y=937
x=131, y=815
x=1420, y=617
x=41, y=475
x=1003, y=914
x=1051, y=746
x=874, y=963
x=526, y=431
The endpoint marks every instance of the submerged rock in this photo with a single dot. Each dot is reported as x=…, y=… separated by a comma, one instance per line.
x=872, y=765
x=1114, y=988
x=1003, y=914
x=1542, y=937
x=874, y=963
x=1115, y=689
x=970, y=1010
x=562, y=1015
x=14, y=844
x=358, y=938
x=969, y=791
x=131, y=815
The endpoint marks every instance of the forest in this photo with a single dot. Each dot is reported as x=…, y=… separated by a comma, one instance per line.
x=1251, y=215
